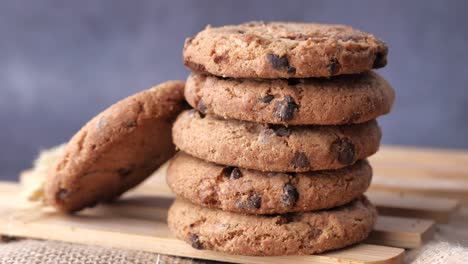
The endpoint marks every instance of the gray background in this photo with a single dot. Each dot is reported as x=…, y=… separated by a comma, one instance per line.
x=61, y=62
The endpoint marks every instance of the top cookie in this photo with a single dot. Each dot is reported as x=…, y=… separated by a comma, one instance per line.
x=283, y=50
x=116, y=150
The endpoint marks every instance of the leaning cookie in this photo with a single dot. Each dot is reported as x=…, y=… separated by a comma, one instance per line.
x=272, y=235
x=283, y=50
x=343, y=99
x=254, y=192
x=271, y=147
x=116, y=150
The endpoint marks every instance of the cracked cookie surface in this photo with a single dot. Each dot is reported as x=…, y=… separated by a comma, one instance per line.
x=319, y=101
x=272, y=235
x=254, y=192
x=276, y=148
x=283, y=50
x=116, y=150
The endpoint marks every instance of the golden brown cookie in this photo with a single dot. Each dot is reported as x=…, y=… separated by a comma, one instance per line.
x=116, y=150
x=254, y=192
x=272, y=235
x=315, y=101
x=283, y=50
x=271, y=147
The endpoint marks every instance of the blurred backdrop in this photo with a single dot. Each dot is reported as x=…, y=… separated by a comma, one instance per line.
x=61, y=62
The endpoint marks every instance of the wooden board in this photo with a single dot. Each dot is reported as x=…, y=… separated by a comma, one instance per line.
x=426, y=188
x=138, y=223
x=419, y=171
x=410, y=205
x=402, y=231
x=421, y=162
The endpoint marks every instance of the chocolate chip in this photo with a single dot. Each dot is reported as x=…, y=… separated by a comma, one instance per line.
x=62, y=194
x=266, y=99
x=380, y=60
x=254, y=201
x=277, y=62
x=334, y=66
x=314, y=233
x=300, y=160
x=280, y=131
x=284, y=110
x=195, y=241
x=344, y=150
x=201, y=107
x=353, y=118
x=233, y=173
x=240, y=31
x=123, y=172
x=280, y=63
x=201, y=114
x=290, y=195
x=284, y=219
x=222, y=57
x=294, y=81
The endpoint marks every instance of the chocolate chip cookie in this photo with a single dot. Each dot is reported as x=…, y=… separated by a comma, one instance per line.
x=274, y=147
x=272, y=235
x=283, y=50
x=320, y=101
x=116, y=150
x=248, y=191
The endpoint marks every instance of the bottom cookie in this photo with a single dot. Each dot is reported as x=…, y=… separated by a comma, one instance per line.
x=274, y=235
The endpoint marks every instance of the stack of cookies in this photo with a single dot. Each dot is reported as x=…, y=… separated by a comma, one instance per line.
x=273, y=155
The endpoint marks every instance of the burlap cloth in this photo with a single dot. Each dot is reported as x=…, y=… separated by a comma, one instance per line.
x=450, y=245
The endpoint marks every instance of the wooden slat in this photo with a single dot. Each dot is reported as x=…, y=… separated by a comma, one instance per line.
x=149, y=235
x=426, y=187
x=387, y=232
x=452, y=163
x=155, y=209
x=402, y=231
x=139, y=207
x=390, y=169
x=397, y=204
